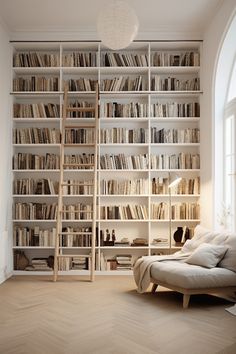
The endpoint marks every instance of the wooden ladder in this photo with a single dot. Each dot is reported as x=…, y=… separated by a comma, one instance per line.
x=93, y=166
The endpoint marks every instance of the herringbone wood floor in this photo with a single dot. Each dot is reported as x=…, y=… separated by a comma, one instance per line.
x=38, y=316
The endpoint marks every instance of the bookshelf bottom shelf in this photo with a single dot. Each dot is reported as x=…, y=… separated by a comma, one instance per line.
x=74, y=272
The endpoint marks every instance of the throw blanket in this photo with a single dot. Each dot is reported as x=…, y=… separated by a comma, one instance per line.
x=143, y=265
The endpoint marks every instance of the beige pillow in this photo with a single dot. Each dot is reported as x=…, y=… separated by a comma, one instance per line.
x=207, y=255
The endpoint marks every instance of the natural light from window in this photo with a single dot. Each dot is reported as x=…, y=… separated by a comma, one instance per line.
x=232, y=86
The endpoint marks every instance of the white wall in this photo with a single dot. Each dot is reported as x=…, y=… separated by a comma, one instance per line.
x=213, y=40
x=5, y=158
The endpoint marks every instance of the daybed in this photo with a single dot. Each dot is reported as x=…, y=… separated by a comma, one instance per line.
x=206, y=264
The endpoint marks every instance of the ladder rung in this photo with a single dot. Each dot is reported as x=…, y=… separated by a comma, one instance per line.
x=80, y=109
x=75, y=211
x=78, y=164
x=76, y=184
x=79, y=127
x=76, y=233
x=82, y=144
x=73, y=255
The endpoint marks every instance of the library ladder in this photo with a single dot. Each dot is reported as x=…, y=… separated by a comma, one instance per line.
x=61, y=212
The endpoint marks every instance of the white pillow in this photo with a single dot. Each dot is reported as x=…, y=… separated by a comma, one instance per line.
x=207, y=255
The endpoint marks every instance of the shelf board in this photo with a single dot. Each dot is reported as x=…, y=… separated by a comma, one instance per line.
x=124, y=144
x=175, y=170
x=175, y=195
x=174, y=119
x=34, y=221
x=124, y=247
x=37, y=70
x=107, y=70
x=34, y=171
x=177, y=220
x=175, y=144
x=87, y=70
x=123, y=195
x=39, y=120
x=41, y=94
x=123, y=171
x=37, y=145
x=123, y=119
x=123, y=220
x=174, y=69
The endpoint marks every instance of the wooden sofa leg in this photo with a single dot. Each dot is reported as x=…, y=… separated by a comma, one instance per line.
x=154, y=287
x=186, y=299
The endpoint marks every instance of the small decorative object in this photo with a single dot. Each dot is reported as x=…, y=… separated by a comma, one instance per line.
x=107, y=235
x=178, y=234
x=117, y=25
x=21, y=261
x=113, y=235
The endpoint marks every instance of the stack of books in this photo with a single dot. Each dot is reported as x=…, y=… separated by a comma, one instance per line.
x=139, y=241
x=79, y=262
x=124, y=262
x=40, y=264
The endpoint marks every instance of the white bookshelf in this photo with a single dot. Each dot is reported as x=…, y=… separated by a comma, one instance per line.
x=148, y=228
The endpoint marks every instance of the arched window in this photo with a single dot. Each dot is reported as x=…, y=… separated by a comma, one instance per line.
x=229, y=179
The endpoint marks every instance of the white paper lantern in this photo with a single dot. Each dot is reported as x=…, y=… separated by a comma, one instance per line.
x=117, y=25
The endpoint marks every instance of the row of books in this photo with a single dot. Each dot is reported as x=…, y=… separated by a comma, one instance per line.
x=123, y=162
x=159, y=83
x=132, y=110
x=160, y=162
x=124, y=212
x=175, y=161
x=176, y=58
x=79, y=59
x=123, y=135
x=175, y=109
x=31, y=186
x=36, y=83
x=124, y=187
x=185, y=186
x=76, y=187
x=35, y=211
x=83, y=238
x=123, y=83
x=165, y=136
x=124, y=59
x=36, y=110
x=35, y=59
x=36, y=136
x=81, y=84
x=80, y=104
x=25, y=161
x=79, y=136
x=179, y=211
x=34, y=237
x=77, y=211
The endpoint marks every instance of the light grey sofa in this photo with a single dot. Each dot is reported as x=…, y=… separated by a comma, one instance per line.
x=191, y=279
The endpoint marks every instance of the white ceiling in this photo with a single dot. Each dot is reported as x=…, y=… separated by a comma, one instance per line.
x=80, y=15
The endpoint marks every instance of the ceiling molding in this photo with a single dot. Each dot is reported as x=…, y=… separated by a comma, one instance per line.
x=67, y=35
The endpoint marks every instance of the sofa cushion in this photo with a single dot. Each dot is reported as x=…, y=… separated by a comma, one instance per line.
x=207, y=255
x=229, y=260
x=189, y=276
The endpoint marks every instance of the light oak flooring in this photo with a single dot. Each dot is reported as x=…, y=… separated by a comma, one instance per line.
x=38, y=316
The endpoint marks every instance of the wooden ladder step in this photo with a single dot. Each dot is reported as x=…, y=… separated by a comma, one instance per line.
x=78, y=164
x=75, y=211
x=77, y=184
x=79, y=127
x=84, y=145
x=73, y=255
x=80, y=109
x=75, y=233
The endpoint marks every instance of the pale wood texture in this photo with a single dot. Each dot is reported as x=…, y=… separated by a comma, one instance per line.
x=109, y=317
x=58, y=251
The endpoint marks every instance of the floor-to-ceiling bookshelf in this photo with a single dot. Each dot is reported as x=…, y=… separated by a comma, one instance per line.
x=149, y=109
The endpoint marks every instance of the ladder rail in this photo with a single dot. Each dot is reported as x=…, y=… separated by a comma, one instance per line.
x=58, y=254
